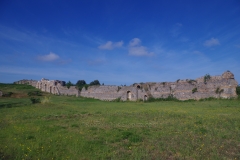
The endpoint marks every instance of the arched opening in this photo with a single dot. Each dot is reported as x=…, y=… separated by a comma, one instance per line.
x=50, y=89
x=145, y=98
x=129, y=95
x=138, y=87
x=45, y=87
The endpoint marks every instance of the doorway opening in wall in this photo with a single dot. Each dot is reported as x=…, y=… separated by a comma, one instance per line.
x=145, y=98
x=129, y=95
x=138, y=87
x=50, y=89
x=45, y=87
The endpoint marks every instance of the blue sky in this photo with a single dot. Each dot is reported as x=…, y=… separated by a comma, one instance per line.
x=118, y=41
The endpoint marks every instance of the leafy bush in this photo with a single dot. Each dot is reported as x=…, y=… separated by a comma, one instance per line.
x=194, y=90
x=191, y=81
x=35, y=93
x=169, y=98
x=238, y=90
x=8, y=94
x=45, y=100
x=117, y=99
x=95, y=82
x=219, y=91
x=69, y=84
x=81, y=87
x=206, y=78
x=34, y=100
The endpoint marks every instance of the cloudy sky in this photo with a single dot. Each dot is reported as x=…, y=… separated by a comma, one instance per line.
x=118, y=41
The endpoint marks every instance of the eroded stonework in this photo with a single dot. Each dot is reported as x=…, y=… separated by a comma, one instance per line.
x=223, y=86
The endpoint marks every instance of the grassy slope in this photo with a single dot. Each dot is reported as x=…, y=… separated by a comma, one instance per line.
x=80, y=128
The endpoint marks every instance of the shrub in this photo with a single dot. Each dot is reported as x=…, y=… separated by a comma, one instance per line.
x=117, y=99
x=118, y=88
x=206, y=78
x=8, y=94
x=191, y=81
x=238, y=90
x=219, y=91
x=34, y=100
x=45, y=100
x=69, y=84
x=169, y=98
x=95, y=82
x=35, y=93
x=194, y=90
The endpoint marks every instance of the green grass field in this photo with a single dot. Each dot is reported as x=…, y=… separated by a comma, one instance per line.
x=79, y=128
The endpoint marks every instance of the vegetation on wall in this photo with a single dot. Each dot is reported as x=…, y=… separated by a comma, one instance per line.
x=194, y=90
x=238, y=90
x=82, y=83
x=219, y=91
x=69, y=84
x=206, y=78
x=95, y=82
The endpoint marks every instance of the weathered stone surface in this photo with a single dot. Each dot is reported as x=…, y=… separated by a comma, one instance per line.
x=228, y=75
x=25, y=81
x=223, y=86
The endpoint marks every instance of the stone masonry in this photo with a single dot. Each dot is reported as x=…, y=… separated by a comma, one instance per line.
x=223, y=86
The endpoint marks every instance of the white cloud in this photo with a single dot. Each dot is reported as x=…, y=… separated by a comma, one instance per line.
x=135, y=48
x=111, y=45
x=211, y=42
x=134, y=42
x=49, y=57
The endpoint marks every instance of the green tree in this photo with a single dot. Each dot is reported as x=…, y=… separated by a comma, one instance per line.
x=238, y=90
x=80, y=83
x=69, y=84
x=95, y=82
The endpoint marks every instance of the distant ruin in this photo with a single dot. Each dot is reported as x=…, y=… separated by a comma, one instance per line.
x=223, y=86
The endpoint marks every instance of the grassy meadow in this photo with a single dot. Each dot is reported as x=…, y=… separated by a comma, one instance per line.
x=67, y=127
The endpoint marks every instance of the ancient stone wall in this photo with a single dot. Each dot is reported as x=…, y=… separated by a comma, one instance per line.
x=56, y=87
x=223, y=86
x=25, y=81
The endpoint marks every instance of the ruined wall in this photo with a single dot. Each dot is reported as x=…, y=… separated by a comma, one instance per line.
x=113, y=92
x=55, y=87
x=223, y=86
x=25, y=81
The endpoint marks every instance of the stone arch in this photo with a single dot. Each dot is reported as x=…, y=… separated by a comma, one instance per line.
x=129, y=95
x=145, y=98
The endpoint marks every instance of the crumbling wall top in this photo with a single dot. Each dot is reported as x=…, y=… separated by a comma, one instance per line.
x=228, y=75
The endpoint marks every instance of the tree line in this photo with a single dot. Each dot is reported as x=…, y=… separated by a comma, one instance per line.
x=82, y=83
